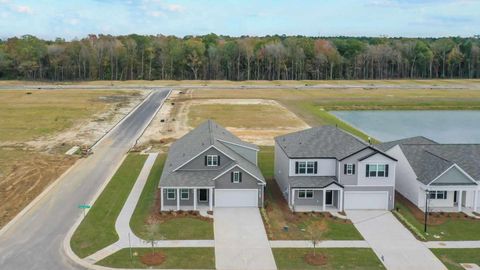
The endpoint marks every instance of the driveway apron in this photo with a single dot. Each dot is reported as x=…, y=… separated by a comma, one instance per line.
x=240, y=240
x=392, y=242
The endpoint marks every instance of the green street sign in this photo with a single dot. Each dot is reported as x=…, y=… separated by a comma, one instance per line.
x=84, y=206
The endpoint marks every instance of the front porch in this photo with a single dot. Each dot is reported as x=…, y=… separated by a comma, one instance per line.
x=328, y=199
x=450, y=199
x=186, y=198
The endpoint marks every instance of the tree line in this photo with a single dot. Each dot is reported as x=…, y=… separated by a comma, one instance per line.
x=214, y=57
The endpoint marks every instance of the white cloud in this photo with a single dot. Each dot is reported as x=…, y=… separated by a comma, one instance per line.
x=23, y=9
x=174, y=7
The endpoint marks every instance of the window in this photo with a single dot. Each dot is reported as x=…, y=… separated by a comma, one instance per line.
x=236, y=177
x=305, y=194
x=376, y=170
x=184, y=194
x=212, y=160
x=349, y=169
x=305, y=167
x=437, y=195
x=171, y=194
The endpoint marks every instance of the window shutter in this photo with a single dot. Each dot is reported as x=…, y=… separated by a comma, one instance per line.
x=315, y=168
x=386, y=170
x=231, y=177
x=344, y=168
x=205, y=160
x=353, y=168
x=240, y=176
x=367, y=171
x=218, y=160
x=296, y=167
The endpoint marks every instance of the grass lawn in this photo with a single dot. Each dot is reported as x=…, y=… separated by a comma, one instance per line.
x=337, y=258
x=97, y=230
x=176, y=258
x=184, y=226
x=449, y=227
x=453, y=257
x=277, y=214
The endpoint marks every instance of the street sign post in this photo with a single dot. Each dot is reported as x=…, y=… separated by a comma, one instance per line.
x=84, y=207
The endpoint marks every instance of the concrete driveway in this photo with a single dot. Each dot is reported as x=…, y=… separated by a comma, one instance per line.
x=392, y=241
x=240, y=240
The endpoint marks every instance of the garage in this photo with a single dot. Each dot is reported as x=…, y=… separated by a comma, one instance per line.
x=236, y=197
x=366, y=200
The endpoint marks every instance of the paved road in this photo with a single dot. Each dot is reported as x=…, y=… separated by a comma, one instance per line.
x=35, y=242
x=392, y=241
x=240, y=240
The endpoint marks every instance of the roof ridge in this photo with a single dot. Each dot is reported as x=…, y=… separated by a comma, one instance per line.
x=435, y=155
x=210, y=131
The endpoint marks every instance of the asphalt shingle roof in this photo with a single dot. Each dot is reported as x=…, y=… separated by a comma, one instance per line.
x=413, y=140
x=320, y=142
x=312, y=181
x=195, y=142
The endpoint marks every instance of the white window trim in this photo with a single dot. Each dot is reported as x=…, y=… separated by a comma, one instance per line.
x=306, y=197
x=182, y=191
x=236, y=177
x=443, y=192
x=306, y=162
x=349, y=169
x=174, y=194
x=212, y=159
x=376, y=164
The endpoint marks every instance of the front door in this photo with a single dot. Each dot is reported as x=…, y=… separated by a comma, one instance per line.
x=203, y=196
x=329, y=197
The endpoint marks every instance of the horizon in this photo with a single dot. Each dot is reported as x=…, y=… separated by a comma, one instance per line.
x=48, y=19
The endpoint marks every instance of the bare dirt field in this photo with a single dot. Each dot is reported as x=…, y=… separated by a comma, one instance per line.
x=37, y=127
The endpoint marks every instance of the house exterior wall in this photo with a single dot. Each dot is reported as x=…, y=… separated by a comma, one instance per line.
x=281, y=170
x=345, y=179
x=326, y=167
x=452, y=176
x=199, y=162
x=406, y=182
x=249, y=154
x=376, y=181
x=389, y=189
x=435, y=202
x=317, y=199
x=248, y=182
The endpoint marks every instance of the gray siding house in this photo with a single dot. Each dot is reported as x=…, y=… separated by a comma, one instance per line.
x=210, y=167
x=443, y=177
x=327, y=169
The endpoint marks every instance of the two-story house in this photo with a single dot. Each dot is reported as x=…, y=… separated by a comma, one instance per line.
x=327, y=169
x=208, y=167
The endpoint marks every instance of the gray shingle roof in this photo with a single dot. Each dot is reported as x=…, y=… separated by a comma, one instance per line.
x=413, y=140
x=320, y=142
x=195, y=142
x=312, y=181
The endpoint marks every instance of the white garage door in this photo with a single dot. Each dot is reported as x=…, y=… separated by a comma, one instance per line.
x=236, y=198
x=366, y=200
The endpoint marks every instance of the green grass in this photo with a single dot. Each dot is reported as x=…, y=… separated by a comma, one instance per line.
x=176, y=258
x=453, y=257
x=278, y=215
x=453, y=229
x=177, y=228
x=97, y=230
x=337, y=258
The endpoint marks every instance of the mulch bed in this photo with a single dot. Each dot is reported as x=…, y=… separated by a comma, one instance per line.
x=151, y=259
x=435, y=218
x=317, y=259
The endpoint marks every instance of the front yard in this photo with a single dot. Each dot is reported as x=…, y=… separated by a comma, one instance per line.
x=147, y=222
x=335, y=258
x=441, y=226
x=277, y=214
x=453, y=257
x=175, y=258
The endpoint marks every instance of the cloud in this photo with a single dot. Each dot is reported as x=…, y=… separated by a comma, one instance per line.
x=23, y=9
x=174, y=7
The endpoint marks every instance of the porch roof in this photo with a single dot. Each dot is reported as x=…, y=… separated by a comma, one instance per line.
x=312, y=181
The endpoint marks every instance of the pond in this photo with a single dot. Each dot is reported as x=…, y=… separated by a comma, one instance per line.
x=441, y=126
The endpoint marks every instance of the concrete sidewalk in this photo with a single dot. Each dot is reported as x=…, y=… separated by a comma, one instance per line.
x=322, y=244
x=392, y=242
x=453, y=244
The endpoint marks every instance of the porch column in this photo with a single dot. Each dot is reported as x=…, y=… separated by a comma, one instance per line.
x=340, y=200
x=194, y=199
x=178, y=199
x=475, y=200
x=324, y=207
x=162, y=198
x=460, y=200
x=210, y=198
x=293, y=197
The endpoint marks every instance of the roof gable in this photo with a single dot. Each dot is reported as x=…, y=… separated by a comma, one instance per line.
x=453, y=176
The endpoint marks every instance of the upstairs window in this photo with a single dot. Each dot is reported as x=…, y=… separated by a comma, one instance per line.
x=306, y=167
x=212, y=160
x=376, y=170
x=236, y=177
x=349, y=169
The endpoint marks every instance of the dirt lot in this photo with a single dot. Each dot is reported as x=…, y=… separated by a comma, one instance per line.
x=38, y=127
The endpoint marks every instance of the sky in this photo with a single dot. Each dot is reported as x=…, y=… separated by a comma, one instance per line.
x=72, y=19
